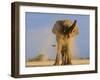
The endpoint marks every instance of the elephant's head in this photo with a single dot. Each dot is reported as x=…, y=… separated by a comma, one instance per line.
x=65, y=27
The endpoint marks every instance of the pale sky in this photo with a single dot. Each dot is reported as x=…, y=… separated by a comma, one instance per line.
x=39, y=37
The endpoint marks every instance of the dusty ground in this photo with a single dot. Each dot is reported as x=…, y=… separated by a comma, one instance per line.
x=50, y=63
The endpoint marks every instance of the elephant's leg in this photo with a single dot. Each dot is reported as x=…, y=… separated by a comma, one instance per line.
x=57, y=61
x=58, y=56
x=63, y=57
x=68, y=56
x=64, y=61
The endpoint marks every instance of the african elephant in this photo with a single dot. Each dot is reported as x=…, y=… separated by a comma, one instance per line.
x=65, y=32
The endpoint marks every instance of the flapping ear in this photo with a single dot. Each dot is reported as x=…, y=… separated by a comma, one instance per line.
x=72, y=26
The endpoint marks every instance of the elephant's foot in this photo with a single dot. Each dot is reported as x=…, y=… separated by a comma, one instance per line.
x=56, y=63
x=63, y=62
x=66, y=63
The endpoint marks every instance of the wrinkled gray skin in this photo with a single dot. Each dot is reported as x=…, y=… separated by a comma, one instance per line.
x=65, y=32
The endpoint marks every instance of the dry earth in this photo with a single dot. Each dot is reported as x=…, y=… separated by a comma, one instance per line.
x=50, y=63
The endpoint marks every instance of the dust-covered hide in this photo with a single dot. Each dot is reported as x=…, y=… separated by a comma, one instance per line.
x=65, y=32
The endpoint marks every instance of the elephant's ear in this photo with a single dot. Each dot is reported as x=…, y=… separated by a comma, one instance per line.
x=58, y=27
x=72, y=26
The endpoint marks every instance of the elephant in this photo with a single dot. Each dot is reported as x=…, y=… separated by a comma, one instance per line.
x=65, y=32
